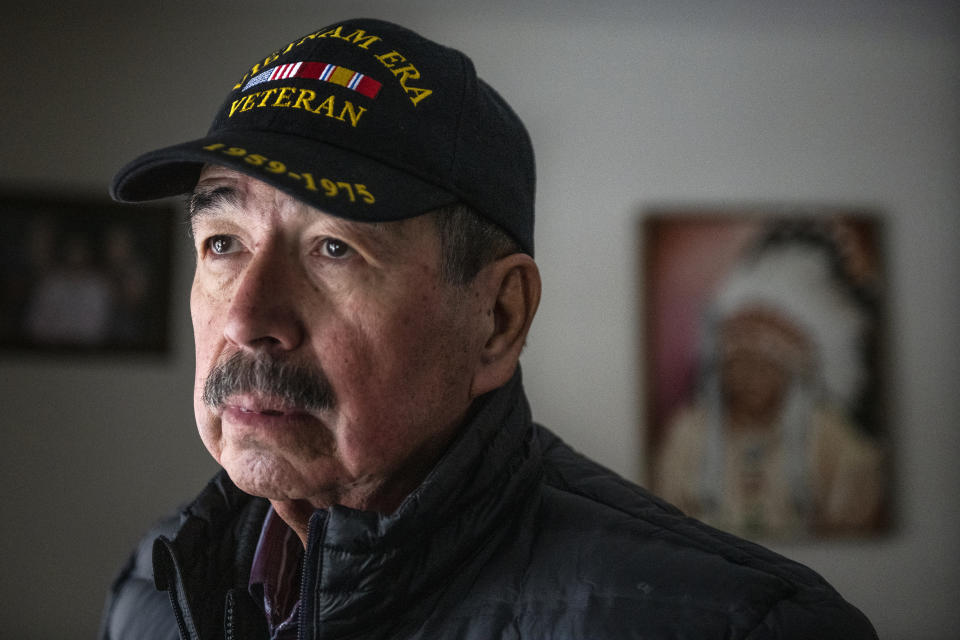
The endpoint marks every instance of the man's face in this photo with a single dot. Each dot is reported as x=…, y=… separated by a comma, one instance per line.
x=378, y=351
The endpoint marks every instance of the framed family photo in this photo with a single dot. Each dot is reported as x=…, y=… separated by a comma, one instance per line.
x=764, y=360
x=83, y=275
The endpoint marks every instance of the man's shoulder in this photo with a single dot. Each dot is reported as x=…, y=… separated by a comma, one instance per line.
x=646, y=555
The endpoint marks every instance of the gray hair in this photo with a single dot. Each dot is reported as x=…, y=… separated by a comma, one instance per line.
x=468, y=243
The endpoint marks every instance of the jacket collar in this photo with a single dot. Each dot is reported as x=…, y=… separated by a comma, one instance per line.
x=364, y=568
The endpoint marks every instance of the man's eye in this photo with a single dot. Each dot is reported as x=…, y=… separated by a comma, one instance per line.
x=221, y=245
x=333, y=248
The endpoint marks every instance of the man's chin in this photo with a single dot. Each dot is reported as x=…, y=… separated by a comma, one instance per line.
x=262, y=474
x=267, y=475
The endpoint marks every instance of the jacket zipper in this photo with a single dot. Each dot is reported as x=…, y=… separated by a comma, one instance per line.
x=178, y=614
x=301, y=634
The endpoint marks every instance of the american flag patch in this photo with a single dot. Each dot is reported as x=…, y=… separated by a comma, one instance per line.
x=364, y=85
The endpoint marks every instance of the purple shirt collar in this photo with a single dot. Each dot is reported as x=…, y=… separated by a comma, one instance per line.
x=275, y=575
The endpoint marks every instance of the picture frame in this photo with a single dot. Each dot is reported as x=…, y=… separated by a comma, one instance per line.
x=84, y=275
x=764, y=361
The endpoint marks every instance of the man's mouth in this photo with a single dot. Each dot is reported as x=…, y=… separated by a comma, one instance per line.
x=267, y=416
x=258, y=406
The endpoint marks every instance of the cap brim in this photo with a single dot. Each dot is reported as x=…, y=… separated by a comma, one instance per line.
x=337, y=181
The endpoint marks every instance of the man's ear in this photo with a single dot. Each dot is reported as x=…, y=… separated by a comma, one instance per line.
x=513, y=286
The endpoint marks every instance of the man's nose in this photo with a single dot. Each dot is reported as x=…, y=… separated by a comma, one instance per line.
x=264, y=312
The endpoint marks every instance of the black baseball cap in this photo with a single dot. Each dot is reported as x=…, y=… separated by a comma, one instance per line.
x=364, y=120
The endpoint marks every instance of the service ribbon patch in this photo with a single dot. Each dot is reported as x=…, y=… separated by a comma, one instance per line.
x=364, y=85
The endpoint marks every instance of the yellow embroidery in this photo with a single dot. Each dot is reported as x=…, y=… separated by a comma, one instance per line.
x=393, y=60
x=406, y=73
x=358, y=37
x=296, y=98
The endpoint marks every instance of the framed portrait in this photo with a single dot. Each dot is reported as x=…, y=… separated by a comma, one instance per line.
x=764, y=359
x=84, y=275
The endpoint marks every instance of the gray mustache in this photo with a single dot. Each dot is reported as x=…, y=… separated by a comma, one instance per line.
x=293, y=384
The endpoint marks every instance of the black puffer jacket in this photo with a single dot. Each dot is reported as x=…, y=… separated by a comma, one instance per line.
x=513, y=535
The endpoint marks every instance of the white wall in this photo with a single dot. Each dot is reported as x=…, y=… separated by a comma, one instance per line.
x=629, y=104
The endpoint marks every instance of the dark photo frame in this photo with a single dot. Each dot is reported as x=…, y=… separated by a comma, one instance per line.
x=84, y=275
x=764, y=360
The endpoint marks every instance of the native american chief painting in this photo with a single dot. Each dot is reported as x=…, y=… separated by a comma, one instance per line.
x=771, y=438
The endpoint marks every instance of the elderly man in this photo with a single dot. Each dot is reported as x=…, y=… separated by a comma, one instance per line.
x=362, y=213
